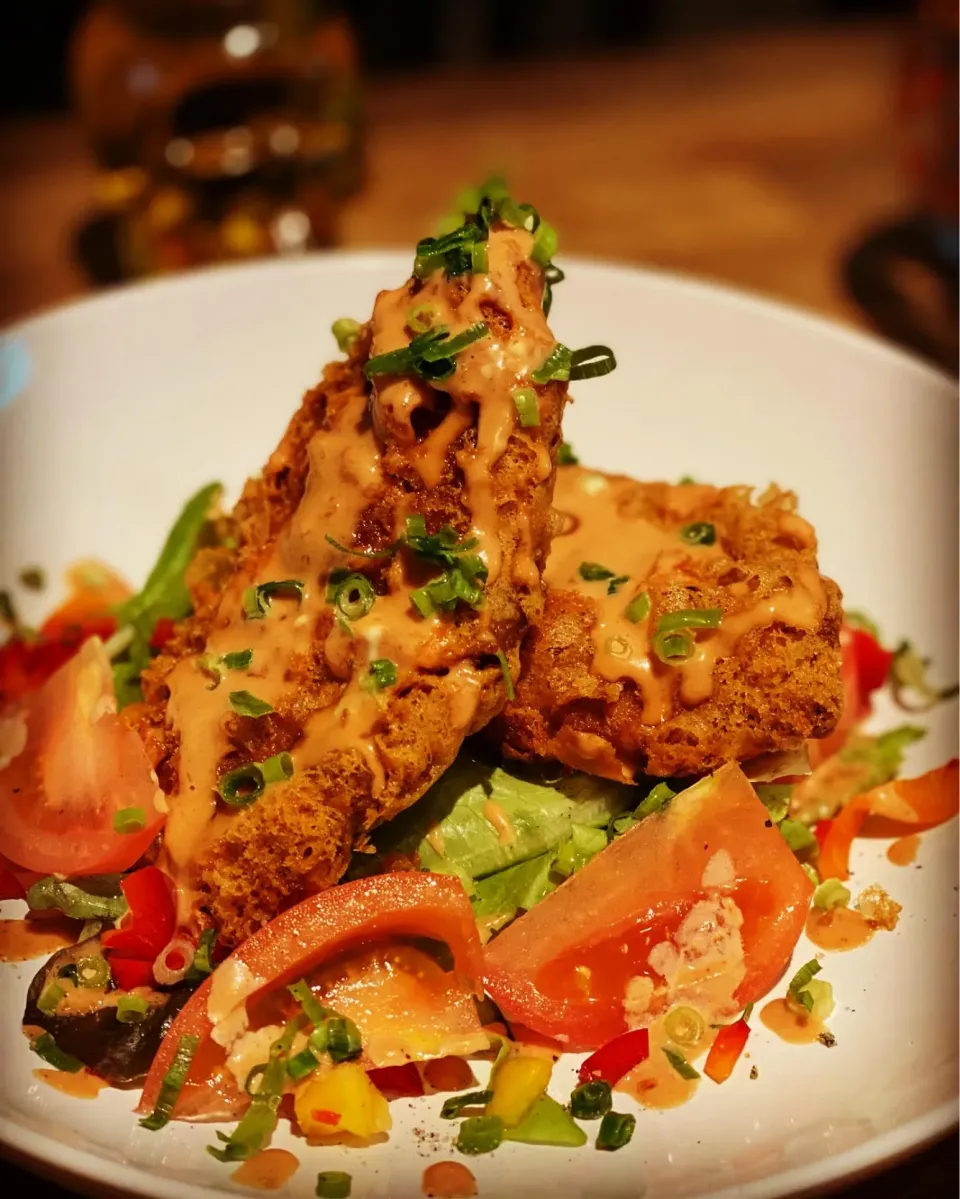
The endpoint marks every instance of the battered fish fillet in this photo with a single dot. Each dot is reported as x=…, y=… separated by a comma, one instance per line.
x=595, y=695
x=358, y=459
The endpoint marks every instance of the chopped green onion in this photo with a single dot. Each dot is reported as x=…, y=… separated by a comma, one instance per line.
x=278, y=768
x=686, y=481
x=775, y=797
x=333, y=1184
x=593, y=571
x=566, y=455
x=615, y=584
x=690, y=618
x=346, y=331
x=556, y=365
x=319, y=1038
x=238, y=660
x=448, y=346
x=245, y=703
x=129, y=820
x=680, y=1064
x=422, y=317
x=797, y=835
x=302, y=1064
x=256, y=600
x=343, y=1038
x=685, y=1025
x=202, y=963
x=655, y=801
x=616, y=1130
x=528, y=407
x=671, y=648
x=253, y=1076
x=591, y=1100
x=92, y=972
x=313, y=1009
x=380, y=673
x=73, y=901
x=479, y=1134
x=831, y=894
x=45, y=1047
x=545, y=243
x=241, y=787
x=33, y=578
x=453, y=1106
x=172, y=1084
x=479, y=261
x=811, y=874
x=340, y=1037
x=507, y=676
x=51, y=998
x=821, y=998
x=639, y=608
x=797, y=990
x=132, y=1009
x=701, y=532
x=860, y=620
x=357, y=553
x=354, y=596
x=429, y=355
x=591, y=362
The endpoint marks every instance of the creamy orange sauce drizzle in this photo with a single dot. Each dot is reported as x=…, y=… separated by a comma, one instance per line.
x=345, y=475
x=903, y=852
x=21, y=940
x=655, y=1083
x=838, y=929
x=268, y=1170
x=597, y=526
x=791, y=1024
x=82, y=1085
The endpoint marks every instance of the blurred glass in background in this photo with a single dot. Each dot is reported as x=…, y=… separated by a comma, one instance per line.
x=221, y=129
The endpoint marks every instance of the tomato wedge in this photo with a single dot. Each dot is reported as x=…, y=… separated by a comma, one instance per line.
x=352, y=916
x=73, y=765
x=565, y=967
x=929, y=800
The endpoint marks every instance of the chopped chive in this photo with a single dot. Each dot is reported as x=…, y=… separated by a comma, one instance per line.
x=244, y=703
x=172, y=1084
x=129, y=820
x=302, y=1064
x=593, y=571
x=132, y=1009
x=448, y=346
x=591, y=362
x=354, y=596
x=242, y=786
x=92, y=972
x=480, y=1134
x=831, y=893
x=333, y=1184
x=507, y=676
x=591, y=1100
x=277, y=769
x=690, y=618
x=639, y=608
x=45, y=1047
x=343, y=1038
x=680, y=1064
x=202, y=963
x=616, y=1130
x=357, y=553
x=556, y=365
x=566, y=456
x=380, y=673
x=346, y=331
x=51, y=998
x=453, y=1106
x=701, y=532
x=256, y=600
x=545, y=243
x=528, y=407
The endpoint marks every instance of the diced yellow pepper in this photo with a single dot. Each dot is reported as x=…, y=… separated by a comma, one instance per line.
x=343, y=1100
x=517, y=1085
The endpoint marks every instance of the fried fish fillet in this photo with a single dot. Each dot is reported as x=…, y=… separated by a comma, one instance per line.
x=616, y=683
x=358, y=459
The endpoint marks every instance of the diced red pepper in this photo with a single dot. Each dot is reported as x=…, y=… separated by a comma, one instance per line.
x=873, y=662
x=10, y=885
x=129, y=973
x=150, y=923
x=821, y=829
x=617, y=1058
x=397, y=1082
x=323, y=1116
x=726, y=1050
x=162, y=632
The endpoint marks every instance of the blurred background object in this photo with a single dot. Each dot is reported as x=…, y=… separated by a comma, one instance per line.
x=759, y=142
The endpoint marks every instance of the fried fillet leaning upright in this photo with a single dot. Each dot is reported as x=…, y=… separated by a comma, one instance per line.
x=389, y=561
x=685, y=626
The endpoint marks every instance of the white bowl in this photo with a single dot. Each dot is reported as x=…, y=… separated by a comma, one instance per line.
x=136, y=398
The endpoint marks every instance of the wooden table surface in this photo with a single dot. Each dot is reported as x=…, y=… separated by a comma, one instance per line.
x=757, y=161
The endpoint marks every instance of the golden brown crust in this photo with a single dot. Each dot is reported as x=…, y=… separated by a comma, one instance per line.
x=778, y=686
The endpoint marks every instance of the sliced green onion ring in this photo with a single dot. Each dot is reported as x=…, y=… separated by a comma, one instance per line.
x=591, y=362
x=591, y=1100
x=528, y=407
x=685, y=1025
x=256, y=600
x=422, y=317
x=92, y=972
x=556, y=365
x=132, y=1009
x=45, y=1047
x=453, y=1106
x=243, y=786
x=278, y=768
x=545, y=244
x=355, y=596
x=616, y=1130
x=639, y=608
x=346, y=330
x=333, y=1184
x=480, y=1134
x=700, y=532
x=672, y=648
x=831, y=893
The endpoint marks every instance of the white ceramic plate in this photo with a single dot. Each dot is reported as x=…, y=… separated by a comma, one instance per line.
x=136, y=398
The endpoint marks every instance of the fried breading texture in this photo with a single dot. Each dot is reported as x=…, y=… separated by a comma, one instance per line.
x=773, y=685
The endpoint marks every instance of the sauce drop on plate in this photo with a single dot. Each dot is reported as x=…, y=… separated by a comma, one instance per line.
x=82, y=1085
x=904, y=851
x=839, y=929
x=268, y=1170
x=448, y=1180
x=21, y=940
x=791, y=1025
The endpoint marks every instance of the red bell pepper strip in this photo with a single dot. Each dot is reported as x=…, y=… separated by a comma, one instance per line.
x=873, y=662
x=162, y=632
x=617, y=1057
x=129, y=973
x=150, y=923
x=725, y=1050
x=820, y=830
x=397, y=1082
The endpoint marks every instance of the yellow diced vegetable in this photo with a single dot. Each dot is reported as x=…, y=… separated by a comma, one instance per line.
x=343, y=1100
x=517, y=1085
